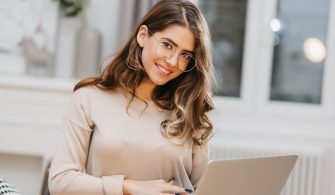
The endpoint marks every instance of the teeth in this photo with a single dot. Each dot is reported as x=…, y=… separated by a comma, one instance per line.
x=163, y=70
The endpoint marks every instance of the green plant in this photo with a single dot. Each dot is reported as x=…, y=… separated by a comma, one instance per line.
x=72, y=8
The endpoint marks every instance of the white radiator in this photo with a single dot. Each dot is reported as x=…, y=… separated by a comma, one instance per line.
x=305, y=178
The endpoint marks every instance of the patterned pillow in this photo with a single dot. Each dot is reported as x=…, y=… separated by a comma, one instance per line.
x=7, y=189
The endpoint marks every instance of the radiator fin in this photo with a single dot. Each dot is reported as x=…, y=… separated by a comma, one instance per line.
x=304, y=178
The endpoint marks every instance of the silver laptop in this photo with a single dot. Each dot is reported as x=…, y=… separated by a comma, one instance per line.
x=252, y=176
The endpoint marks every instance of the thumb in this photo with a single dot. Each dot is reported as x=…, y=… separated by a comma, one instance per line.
x=171, y=181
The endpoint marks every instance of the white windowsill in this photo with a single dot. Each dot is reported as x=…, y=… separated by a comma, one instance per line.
x=37, y=83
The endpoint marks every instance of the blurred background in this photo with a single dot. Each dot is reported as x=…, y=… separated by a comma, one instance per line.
x=275, y=95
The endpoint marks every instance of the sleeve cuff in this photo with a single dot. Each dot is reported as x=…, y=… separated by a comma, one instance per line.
x=113, y=184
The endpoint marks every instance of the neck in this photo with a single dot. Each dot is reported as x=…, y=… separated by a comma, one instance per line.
x=145, y=89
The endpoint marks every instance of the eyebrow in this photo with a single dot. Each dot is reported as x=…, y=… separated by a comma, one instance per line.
x=175, y=44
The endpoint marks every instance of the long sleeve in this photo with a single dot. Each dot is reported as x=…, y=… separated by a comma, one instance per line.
x=67, y=171
x=200, y=157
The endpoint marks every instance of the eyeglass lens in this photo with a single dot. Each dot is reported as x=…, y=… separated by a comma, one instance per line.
x=186, y=62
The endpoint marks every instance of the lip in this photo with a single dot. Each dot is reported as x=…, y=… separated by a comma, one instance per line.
x=159, y=67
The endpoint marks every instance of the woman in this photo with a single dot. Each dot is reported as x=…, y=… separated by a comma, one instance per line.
x=142, y=126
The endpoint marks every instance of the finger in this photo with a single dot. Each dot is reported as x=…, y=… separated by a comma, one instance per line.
x=173, y=189
x=171, y=182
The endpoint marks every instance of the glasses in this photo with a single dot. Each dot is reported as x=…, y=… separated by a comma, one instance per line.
x=165, y=50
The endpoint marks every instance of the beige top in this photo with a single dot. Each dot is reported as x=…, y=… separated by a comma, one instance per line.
x=102, y=144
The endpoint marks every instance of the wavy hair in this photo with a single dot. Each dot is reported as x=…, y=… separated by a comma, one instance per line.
x=188, y=98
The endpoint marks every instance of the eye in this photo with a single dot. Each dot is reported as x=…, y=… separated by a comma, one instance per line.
x=167, y=45
x=187, y=56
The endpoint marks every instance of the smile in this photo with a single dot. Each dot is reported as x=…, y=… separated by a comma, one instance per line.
x=162, y=70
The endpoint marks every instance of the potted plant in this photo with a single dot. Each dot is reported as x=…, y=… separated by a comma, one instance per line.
x=79, y=45
x=71, y=20
x=72, y=8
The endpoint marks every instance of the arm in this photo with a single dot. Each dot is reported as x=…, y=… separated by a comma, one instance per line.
x=68, y=165
x=200, y=157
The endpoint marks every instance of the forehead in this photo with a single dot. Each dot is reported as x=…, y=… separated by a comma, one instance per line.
x=181, y=35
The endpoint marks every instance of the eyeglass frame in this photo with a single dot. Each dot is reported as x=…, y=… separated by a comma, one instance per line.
x=173, y=52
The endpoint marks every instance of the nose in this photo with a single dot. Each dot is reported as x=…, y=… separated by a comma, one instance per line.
x=173, y=60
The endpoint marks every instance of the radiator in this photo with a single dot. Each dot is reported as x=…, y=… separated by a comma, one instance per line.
x=305, y=178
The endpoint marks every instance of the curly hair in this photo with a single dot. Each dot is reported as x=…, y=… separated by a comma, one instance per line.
x=188, y=98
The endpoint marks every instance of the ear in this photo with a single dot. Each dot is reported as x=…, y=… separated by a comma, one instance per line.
x=142, y=35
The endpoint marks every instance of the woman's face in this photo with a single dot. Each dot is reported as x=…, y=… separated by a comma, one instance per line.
x=159, y=67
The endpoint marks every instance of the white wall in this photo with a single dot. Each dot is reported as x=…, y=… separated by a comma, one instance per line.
x=287, y=133
x=30, y=116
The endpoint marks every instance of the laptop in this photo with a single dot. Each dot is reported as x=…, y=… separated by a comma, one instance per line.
x=252, y=176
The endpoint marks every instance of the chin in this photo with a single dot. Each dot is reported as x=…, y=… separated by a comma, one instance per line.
x=158, y=79
x=157, y=82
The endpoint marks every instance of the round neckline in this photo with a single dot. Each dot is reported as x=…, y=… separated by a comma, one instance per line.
x=138, y=103
x=150, y=104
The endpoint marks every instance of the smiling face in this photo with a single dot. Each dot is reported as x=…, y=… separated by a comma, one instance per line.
x=162, y=69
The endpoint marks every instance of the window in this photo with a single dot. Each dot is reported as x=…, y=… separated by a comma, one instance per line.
x=272, y=56
x=227, y=23
x=300, y=49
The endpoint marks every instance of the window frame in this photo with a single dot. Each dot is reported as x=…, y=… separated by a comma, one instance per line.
x=257, y=70
x=244, y=103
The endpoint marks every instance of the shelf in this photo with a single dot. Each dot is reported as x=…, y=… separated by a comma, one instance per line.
x=37, y=83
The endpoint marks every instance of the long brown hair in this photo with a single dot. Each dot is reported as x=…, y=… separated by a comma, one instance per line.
x=188, y=98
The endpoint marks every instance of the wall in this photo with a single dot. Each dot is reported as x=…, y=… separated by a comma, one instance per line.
x=30, y=115
x=286, y=133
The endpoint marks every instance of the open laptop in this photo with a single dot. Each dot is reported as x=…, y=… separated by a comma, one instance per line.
x=252, y=176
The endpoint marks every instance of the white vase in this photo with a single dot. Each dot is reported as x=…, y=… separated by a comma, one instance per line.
x=66, y=49
x=88, y=53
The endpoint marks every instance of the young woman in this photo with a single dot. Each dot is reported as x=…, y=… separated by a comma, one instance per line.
x=142, y=126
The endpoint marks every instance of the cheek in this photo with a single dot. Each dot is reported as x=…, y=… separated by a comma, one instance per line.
x=177, y=74
x=148, y=61
x=148, y=57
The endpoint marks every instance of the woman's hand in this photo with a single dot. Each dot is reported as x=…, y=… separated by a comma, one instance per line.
x=152, y=187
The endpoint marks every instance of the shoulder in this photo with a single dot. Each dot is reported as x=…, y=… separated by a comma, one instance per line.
x=92, y=95
x=87, y=91
x=85, y=96
x=89, y=100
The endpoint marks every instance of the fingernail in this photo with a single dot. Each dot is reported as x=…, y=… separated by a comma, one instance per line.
x=188, y=190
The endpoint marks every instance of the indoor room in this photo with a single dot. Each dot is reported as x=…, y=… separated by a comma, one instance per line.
x=272, y=60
